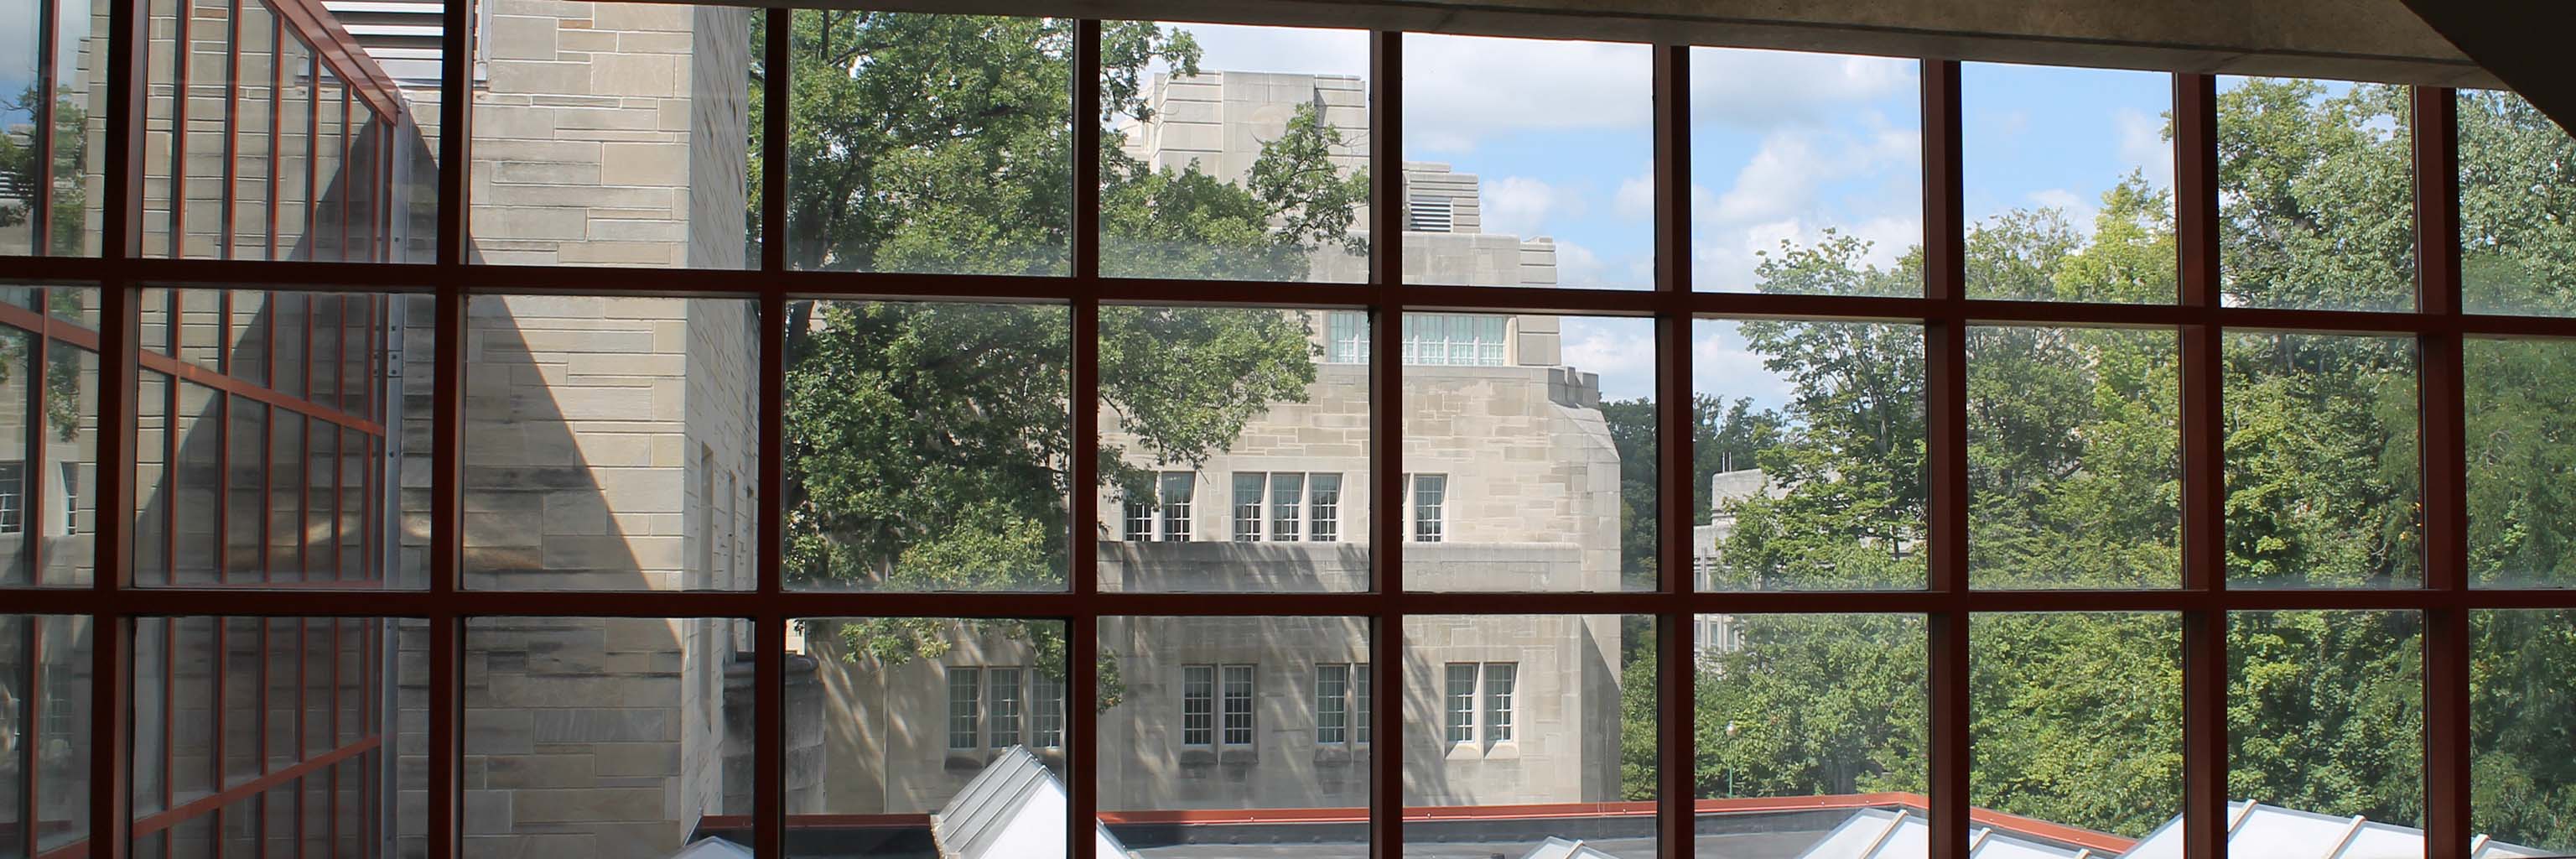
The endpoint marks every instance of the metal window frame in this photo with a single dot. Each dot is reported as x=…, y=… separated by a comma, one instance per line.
x=113, y=602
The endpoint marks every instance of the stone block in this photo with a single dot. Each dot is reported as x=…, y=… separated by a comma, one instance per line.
x=588, y=805
x=606, y=725
x=635, y=74
x=534, y=76
x=644, y=163
x=517, y=37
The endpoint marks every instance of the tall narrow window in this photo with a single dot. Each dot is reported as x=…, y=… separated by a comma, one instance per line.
x=1324, y=507
x=1360, y=701
x=13, y=497
x=1499, y=677
x=71, y=484
x=1177, y=488
x=1198, y=705
x=1287, y=507
x=1238, y=705
x=1347, y=335
x=1005, y=684
x=1247, y=506
x=1462, y=702
x=1046, y=719
x=965, y=687
x=1140, y=520
x=1430, y=503
x=1332, y=703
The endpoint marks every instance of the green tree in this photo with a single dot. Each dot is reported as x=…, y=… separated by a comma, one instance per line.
x=22, y=167
x=928, y=445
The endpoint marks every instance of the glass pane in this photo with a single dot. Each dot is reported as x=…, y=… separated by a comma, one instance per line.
x=899, y=718
x=1228, y=714
x=905, y=157
x=2522, y=690
x=2321, y=462
x=2074, y=466
x=1809, y=442
x=70, y=122
x=1806, y=173
x=614, y=134
x=927, y=446
x=1195, y=399
x=45, y=677
x=618, y=733
x=288, y=422
x=2069, y=180
x=1491, y=198
x=1543, y=726
x=48, y=455
x=1235, y=152
x=1828, y=708
x=2326, y=716
x=21, y=23
x=2077, y=720
x=2516, y=202
x=610, y=443
x=2521, y=420
x=2316, y=194
x=1536, y=496
x=324, y=686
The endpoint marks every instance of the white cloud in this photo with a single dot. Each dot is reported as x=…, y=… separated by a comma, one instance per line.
x=1763, y=89
x=1635, y=199
x=1800, y=182
x=1621, y=350
x=1723, y=365
x=2079, y=209
x=2142, y=145
x=1577, y=265
x=1459, y=89
x=1522, y=206
x=1288, y=50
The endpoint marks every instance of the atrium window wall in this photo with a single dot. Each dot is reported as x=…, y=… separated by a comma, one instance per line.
x=247, y=570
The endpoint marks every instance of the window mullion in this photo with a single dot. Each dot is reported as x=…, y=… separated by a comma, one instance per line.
x=2443, y=408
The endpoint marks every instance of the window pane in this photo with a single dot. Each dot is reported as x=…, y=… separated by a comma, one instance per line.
x=897, y=716
x=901, y=159
x=1534, y=494
x=45, y=674
x=1809, y=444
x=610, y=443
x=1220, y=713
x=2326, y=715
x=1193, y=398
x=570, y=742
x=1492, y=198
x=1550, y=715
x=48, y=456
x=327, y=689
x=1814, y=706
x=2316, y=194
x=70, y=122
x=2074, y=465
x=1807, y=173
x=614, y=134
x=2522, y=688
x=2516, y=206
x=2522, y=519
x=2321, y=462
x=1238, y=153
x=2077, y=719
x=289, y=423
x=2069, y=178
x=913, y=465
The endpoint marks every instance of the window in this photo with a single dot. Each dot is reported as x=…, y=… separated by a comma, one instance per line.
x=1005, y=686
x=1429, y=214
x=1198, y=705
x=1046, y=723
x=1498, y=701
x=1347, y=337
x=1167, y=519
x=13, y=497
x=1341, y=703
x=1294, y=507
x=1480, y=690
x=1462, y=702
x=1454, y=339
x=1427, y=500
x=965, y=708
x=1238, y=705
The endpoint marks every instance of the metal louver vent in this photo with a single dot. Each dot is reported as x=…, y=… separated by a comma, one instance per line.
x=403, y=35
x=1430, y=215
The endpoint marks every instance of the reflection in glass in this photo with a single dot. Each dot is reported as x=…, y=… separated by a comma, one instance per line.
x=1220, y=163
x=2522, y=692
x=2321, y=461
x=1812, y=468
x=2518, y=254
x=2073, y=457
x=2316, y=194
x=1551, y=715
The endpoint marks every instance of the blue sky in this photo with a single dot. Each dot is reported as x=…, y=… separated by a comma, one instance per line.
x=1784, y=146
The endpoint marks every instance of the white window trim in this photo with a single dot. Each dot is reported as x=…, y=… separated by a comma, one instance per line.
x=1218, y=699
x=1264, y=509
x=1159, y=517
x=1354, y=699
x=1414, y=521
x=1493, y=717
